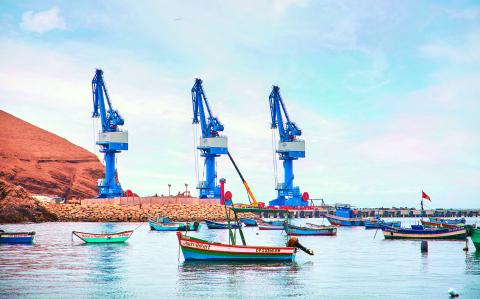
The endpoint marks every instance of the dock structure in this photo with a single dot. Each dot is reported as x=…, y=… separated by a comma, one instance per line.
x=319, y=212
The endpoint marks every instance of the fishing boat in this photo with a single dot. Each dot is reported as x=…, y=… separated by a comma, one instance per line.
x=345, y=216
x=475, y=237
x=273, y=221
x=437, y=224
x=249, y=221
x=198, y=249
x=422, y=233
x=104, y=238
x=164, y=224
x=447, y=220
x=310, y=230
x=377, y=223
x=220, y=225
x=17, y=237
x=269, y=227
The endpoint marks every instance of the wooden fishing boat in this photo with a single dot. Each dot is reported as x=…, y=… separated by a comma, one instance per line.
x=269, y=227
x=274, y=222
x=220, y=225
x=342, y=221
x=447, y=220
x=198, y=249
x=436, y=224
x=104, y=238
x=345, y=216
x=422, y=233
x=17, y=237
x=310, y=230
x=378, y=223
x=173, y=226
x=249, y=221
x=475, y=237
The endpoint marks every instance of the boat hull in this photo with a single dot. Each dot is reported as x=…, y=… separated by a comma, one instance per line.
x=475, y=236
x=17, y=238
x=273, y=222
x=269, y=227
x=293, y=230
x=458, y=233
x=201, y=250
x=436, y=224
x=104, y=238
x=220, y=225
x=380, y=224
x=248, y=221
x=173, y=226
x=341, y=221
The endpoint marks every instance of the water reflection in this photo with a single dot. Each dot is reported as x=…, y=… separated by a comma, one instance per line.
x=472, y=263
x=200, y=278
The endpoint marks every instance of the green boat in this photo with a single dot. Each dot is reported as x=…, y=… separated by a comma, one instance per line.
x=475, y=236
x=104, y=238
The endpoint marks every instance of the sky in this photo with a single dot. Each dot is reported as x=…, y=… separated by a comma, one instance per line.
x=387, y=93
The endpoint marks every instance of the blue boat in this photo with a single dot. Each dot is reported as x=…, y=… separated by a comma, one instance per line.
x=439, y=220
x=419, y=232
x=17, y=237
x=248, y=221
x=220, y=225
x=309, y=230
x=378, y=223
x=164, y=224
x=345, y=216
x=273, y=222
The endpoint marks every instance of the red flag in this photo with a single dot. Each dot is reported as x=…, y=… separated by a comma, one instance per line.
x=425, y=196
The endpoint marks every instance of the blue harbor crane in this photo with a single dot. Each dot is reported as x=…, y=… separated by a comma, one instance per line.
x=289, y=148
x=111, y=139
x=211, y=145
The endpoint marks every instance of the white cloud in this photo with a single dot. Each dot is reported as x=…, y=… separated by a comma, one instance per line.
x=42, y=21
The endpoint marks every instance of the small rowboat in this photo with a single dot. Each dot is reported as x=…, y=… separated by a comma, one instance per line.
x=173, y=226
x=437, y=224
x=310, y=230
x=269, y=227
x=421, y=233
x=17, y=237
x=275, y=222
x=342, y=221
x=198, y=249
x=220, y=225
x=248, y=221
x=378, y=223
x=104, y=238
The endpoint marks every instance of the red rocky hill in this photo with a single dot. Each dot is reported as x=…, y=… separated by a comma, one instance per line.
x=44, y=163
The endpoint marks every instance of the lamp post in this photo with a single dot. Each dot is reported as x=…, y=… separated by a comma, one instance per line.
x=169, y=185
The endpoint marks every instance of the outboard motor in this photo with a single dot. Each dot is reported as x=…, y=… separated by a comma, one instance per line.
x=293, y=242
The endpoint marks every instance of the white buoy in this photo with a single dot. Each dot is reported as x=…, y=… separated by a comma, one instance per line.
x=453, y=293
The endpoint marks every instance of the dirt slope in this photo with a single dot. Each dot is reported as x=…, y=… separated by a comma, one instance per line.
x=44, y=163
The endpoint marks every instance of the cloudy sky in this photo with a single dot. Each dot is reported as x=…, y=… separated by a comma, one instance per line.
x=387, y=93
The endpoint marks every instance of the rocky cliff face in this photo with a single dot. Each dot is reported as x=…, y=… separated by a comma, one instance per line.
x=44, y=163
x=16, y=205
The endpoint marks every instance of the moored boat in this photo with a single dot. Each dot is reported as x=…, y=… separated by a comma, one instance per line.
x=249, y=221
x=475, y=237
x=421, y=233
x=104, y=238
x=437, y=224
x=172, y=226
x=269, y=227
x=274, y=222
x=378, y=223
x=345, y=216
x=447, y=220
x=220, y=225
x=310, y=230
x=17, y=237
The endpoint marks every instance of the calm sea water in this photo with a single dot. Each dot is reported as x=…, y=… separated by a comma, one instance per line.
x=353, y=264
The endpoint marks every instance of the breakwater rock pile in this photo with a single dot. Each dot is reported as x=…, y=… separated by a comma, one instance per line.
x=137, y=213
x=16, y=205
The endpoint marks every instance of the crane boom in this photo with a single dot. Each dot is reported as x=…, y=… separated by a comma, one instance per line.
x=251, y=197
